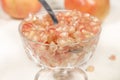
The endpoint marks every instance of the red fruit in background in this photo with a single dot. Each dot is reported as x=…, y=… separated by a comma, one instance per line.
x=20, y=8
x=98, y=8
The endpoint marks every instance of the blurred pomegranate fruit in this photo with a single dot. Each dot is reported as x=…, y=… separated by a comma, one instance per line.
x=98, y=8
x=20, y=8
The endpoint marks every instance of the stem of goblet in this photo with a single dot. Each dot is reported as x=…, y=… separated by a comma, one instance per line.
x=61, y=74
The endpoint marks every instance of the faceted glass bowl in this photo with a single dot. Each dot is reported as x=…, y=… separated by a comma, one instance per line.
x=73, y=54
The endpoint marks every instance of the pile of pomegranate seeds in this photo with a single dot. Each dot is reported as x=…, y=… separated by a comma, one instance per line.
x=73, y=27
x=75, y=33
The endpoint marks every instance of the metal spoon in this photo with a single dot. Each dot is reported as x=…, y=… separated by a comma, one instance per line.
x=49, y=10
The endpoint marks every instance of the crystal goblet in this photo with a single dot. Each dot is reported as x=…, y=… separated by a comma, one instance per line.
x=60, y=49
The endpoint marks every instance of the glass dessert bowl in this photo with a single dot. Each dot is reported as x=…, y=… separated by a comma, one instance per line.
x=62, y=48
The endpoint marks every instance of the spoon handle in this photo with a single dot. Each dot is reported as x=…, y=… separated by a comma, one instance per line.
x=49, y=10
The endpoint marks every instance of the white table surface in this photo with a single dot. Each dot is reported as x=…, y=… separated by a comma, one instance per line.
x=14, y=64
